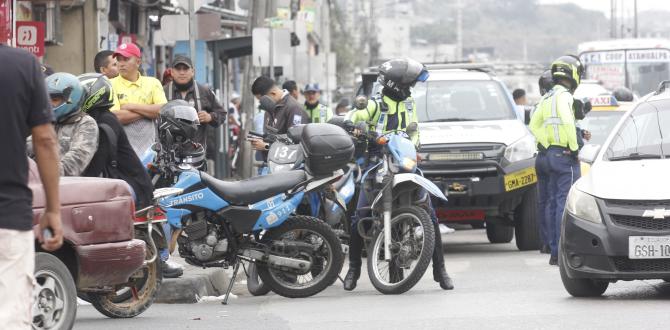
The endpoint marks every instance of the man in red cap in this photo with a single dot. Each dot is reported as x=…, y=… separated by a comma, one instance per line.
x=139, y=99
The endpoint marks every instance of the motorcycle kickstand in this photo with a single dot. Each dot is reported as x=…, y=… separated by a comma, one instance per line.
x=232, y=282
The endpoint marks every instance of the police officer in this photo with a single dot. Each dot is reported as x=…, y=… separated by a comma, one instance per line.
x=393, y=110
x=545, y=83
x=281, y=110
x=553, y=125
x=318, y=113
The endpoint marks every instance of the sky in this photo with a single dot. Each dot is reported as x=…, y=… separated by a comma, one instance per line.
x=604, y=5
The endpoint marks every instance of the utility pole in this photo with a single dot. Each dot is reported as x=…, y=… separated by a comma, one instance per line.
x=613, y=19
x=635, y=31
x=191, y=28
x=459, y=30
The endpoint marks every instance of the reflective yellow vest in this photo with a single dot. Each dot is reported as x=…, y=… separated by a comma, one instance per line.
x=553, y=123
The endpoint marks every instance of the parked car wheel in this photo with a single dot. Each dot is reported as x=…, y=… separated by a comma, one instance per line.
x=55, y=299
x=526, y=229
x=499, y=233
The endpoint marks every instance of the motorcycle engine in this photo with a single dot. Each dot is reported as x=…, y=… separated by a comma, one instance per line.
x=201, y=240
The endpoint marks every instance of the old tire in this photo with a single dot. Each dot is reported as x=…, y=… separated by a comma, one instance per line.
x=122, y=304
x=55, y=305
x=255, y=285
x=400, y=282
x=580, y=287
x=499, y=233
x=526, y=228
x=286, y=285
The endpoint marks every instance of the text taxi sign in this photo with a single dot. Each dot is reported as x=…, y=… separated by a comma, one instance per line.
x=30, y=36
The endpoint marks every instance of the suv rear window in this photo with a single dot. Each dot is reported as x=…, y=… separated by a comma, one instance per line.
x=462, y=100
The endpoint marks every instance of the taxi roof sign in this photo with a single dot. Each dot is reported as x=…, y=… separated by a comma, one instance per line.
x=604, y=101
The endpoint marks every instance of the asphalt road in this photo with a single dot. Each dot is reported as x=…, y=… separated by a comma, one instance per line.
x=497, y=287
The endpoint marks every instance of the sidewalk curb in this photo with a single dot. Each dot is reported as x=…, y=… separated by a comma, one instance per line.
x=189, y=288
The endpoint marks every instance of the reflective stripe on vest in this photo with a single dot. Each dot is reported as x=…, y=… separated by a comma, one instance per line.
x=554, y=121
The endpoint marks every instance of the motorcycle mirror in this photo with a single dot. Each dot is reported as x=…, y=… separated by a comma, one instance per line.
x=361, y=102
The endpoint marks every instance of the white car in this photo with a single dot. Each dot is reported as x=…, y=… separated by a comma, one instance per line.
x=616, y=224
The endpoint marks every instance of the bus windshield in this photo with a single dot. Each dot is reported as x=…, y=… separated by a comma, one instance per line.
x=638, y=69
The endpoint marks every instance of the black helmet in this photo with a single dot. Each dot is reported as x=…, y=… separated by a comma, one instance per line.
x=190, y=153
x=569, y=67
x=97, y=92
x=623, y=94
x=179, y=119
x=546, y=82
x=399, y=75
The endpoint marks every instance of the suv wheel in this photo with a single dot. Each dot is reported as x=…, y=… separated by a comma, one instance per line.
x=499, y=233
x=525, y=220
x=580, y=287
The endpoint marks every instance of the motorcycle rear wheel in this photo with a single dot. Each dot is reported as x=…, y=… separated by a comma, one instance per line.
x=408, y=249
x=123, y=303
x=309, y=230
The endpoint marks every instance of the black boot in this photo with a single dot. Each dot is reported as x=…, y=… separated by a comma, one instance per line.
x=439, y=272
x=352, y=277
x=355, y=260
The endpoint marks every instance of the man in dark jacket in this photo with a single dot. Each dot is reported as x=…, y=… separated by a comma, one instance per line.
x=184, y=87
x=281, y=110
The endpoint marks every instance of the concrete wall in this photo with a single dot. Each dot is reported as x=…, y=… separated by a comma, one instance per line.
x=80, y=41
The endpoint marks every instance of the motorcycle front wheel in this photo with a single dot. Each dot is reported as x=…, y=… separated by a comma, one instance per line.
x=325, y=255
x=412, y=243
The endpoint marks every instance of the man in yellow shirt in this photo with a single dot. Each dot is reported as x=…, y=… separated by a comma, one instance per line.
x=554, y=127
x=138, y=99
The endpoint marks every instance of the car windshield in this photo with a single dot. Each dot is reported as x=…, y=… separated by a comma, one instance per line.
x=600, y=124
x=645, y=134
x=461, y=100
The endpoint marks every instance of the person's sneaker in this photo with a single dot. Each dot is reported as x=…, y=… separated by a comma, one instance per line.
x=545, y=249
x=172, y=270
x=444, y=229
x=553, y=260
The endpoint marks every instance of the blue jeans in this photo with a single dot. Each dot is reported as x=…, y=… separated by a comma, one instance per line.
x=165, y=253
x=542, y=168
x=562, y=168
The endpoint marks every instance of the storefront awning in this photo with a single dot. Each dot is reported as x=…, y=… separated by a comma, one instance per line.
x=232, y=47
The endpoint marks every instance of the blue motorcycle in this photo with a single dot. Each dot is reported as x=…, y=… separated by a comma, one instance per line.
x=399, y=231
x=225, y=222
x=330, y=205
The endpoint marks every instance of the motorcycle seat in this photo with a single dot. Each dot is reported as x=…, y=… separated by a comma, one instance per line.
x=256, y=189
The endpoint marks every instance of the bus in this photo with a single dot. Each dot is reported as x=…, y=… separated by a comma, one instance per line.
x=639, y=64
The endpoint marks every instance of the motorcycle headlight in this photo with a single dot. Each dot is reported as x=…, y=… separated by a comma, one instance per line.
x=523, y=149
x=583, y=206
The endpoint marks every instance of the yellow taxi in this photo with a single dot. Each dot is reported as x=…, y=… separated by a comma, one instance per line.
x=604, y=115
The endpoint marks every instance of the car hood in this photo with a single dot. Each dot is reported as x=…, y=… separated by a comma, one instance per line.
x=643, y=180
x=495, y=131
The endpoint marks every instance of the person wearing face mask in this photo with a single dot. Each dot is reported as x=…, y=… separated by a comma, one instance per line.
x=281, y=110
x=184, y=87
